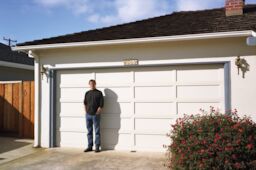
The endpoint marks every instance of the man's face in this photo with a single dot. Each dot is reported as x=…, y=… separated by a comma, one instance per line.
x=92, y=85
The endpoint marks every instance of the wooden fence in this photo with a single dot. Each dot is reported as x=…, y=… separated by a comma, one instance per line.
x=17, y=108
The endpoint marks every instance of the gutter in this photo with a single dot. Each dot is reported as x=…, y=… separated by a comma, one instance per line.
x=16, y=65
x=203, y=36
x=251, y=40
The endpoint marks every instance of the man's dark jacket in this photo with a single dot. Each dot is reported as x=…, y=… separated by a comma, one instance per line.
x=93, y=99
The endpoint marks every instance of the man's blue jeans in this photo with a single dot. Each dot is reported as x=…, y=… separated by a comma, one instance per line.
x=93, y=120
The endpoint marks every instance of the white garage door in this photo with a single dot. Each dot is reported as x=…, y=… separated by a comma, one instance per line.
x=140, y=103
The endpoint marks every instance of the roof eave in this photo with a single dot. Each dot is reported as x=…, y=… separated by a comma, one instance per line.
x=16, y=65
x=139, y=40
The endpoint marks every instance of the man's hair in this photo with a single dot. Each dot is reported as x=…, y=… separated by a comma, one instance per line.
x=92, y=81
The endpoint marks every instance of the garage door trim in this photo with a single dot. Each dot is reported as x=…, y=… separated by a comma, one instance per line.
x=53, y=89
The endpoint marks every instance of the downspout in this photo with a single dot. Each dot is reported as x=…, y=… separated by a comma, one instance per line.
x=37, y=77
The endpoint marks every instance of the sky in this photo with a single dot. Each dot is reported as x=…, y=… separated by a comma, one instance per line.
x=26, y=20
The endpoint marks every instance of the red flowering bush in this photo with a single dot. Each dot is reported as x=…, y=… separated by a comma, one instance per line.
x=212, y=141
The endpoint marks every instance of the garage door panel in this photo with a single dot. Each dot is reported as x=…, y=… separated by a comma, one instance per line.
x=154, y=108
x=154, y=93
x=115, y=122
x=116, y=93
x=72, y=109
x=150, y=76
x=75, y=78
x=112, y=139
x=113, y=78
x=119, y=108
x=151, y=142
x=70, y=139
x=72, y=124
x=73, y=94
x=158, y=125
x=199, y=73
x=194, y=108
x=198, y=92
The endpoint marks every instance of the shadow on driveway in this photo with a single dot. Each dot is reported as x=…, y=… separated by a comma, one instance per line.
x=15, y=148
x=8, y=144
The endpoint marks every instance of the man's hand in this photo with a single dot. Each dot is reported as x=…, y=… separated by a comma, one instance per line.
x=85, y=108
x=99, y=110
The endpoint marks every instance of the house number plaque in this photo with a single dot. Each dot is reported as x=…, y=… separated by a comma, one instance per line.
x=131, y=62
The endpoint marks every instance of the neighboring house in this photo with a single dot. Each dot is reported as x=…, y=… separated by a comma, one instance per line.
x=151, y=72
x=15, y=66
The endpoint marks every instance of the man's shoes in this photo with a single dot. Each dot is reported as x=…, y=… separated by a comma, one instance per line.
x=89, y=149
x=97, y=149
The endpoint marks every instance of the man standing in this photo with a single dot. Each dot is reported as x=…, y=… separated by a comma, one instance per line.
x=93, y=102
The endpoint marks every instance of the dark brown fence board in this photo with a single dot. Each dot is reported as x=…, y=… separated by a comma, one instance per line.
x=26, y=108
x=7, y=106
x=16, y=104
x=20, y=110
x=32, y=108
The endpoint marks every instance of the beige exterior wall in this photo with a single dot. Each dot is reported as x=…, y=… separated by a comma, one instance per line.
x=243, y=90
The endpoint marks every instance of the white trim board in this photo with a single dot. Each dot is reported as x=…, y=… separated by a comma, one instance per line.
x=9, y=82
x=141, y=63
x=139, y=40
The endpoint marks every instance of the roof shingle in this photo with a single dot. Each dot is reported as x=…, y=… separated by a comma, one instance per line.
x=6, y=54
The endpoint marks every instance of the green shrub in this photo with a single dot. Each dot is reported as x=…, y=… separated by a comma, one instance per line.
x=212, y=141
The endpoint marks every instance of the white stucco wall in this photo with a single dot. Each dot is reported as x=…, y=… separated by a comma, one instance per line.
x=243, y=90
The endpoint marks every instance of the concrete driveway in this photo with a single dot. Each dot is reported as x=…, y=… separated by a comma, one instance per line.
x=65, y=159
